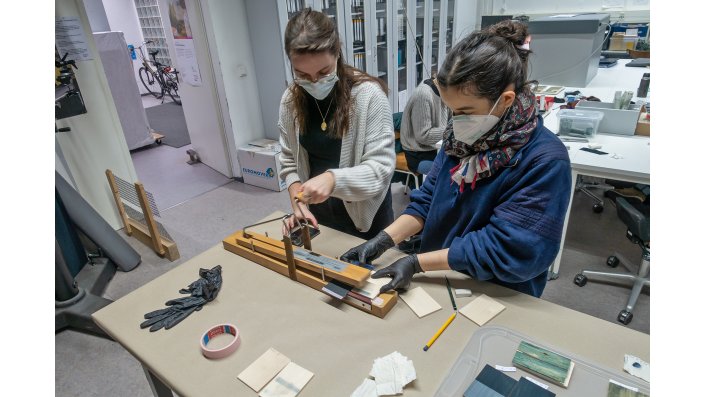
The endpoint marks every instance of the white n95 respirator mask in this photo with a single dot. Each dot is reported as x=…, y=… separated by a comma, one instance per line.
x=321, y=88
x=469, y=128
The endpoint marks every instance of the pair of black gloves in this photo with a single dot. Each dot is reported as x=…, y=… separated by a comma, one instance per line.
x=201, y=291
x=400, y=271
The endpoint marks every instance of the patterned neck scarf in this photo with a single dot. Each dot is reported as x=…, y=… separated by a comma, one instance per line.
x=494, y=150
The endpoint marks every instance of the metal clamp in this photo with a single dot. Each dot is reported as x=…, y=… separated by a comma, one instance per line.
x=283, y=219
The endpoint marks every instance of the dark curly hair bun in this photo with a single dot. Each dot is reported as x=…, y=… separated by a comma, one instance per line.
x=514, y=31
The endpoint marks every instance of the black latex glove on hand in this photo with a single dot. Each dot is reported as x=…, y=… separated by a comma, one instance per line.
x=202, y=291
x=366, y=252
x=401, y=272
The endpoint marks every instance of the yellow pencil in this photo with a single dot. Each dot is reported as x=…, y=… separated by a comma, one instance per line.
x=440, y=331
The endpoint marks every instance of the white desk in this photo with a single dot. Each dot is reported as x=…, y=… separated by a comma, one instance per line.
x=628, y=157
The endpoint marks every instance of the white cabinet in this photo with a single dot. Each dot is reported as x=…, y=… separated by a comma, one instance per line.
x=375, y=36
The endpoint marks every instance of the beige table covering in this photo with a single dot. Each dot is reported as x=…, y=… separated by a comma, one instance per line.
x=335, y=341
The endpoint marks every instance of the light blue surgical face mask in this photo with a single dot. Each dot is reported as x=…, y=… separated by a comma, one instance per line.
x=469, y=128
x=321, y=88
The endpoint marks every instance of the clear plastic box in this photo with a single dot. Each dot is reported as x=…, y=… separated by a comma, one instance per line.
x=495, y=345
x=578, y=123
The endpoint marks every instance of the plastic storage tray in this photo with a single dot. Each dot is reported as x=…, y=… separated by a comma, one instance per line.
x=615, y=121
x=579, y=122
x=496, y=346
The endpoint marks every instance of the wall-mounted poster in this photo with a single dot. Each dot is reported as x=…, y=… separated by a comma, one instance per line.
x=183, y=41
x=180, y=27
x=69, y=38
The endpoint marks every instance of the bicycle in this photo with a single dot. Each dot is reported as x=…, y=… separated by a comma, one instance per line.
x=161, y=78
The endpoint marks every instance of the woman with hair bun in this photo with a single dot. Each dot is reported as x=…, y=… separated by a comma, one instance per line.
x=494, y=202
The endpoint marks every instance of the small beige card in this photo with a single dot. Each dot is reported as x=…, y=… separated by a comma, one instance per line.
x=264, y=369
x=420, y=301
x=288, y=383
x=482, y=309
x=371, y=287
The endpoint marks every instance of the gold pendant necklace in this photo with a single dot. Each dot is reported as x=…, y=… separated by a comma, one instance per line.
x=324, y=125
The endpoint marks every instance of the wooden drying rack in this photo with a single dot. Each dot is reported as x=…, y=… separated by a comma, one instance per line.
x=149, y=232
x=279, y=256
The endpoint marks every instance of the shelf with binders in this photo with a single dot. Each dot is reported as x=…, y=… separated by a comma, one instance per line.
x=382, y=66
x=401, y=56
x=330, y=10
x=359, y=61
x=294, y=6
x=450, y=20
x=358, y=32
x=434, y=61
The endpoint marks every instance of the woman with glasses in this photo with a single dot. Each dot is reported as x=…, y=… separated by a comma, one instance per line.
x=336, y=133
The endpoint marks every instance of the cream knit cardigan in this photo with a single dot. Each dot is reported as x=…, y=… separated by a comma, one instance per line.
x=367, y=157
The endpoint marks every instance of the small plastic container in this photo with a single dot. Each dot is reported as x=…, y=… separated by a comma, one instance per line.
x=578, y=123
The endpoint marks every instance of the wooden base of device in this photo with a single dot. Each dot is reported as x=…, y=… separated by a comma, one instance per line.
x=271, y=254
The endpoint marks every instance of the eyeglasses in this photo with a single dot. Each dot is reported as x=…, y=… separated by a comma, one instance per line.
x=326, y=77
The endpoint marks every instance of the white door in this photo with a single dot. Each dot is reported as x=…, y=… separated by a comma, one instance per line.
x=201, y=104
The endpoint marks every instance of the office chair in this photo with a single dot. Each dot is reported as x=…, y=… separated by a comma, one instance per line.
x=638, y=233
x=583, y=186
x=402, y=166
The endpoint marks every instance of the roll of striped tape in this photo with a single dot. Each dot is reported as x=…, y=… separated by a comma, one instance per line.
x=214, y=332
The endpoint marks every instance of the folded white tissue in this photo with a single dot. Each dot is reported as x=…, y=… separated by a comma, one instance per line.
x=391, y=373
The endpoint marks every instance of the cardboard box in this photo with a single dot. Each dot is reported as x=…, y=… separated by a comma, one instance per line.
x=622, y=42
x=260, y=166
x=643, y=126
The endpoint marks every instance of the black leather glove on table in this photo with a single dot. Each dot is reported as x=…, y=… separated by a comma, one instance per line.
x=401, y=272
x=207, y=286
x=369, y=250
x=202, y=291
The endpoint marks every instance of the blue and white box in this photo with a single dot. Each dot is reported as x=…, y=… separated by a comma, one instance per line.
x=260, y=165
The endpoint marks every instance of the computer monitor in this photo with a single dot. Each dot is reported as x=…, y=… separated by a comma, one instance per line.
x=489, y=20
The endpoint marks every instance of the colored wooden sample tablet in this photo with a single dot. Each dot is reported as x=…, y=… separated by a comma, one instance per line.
x=482, y=309
x=544, y=363
x=288, y=383
x=492, y=379
x=526, y=388
x=618, y=390
x=264, y=369
x=420, y=301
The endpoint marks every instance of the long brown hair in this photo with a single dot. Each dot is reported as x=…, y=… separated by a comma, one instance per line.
x=310, y=32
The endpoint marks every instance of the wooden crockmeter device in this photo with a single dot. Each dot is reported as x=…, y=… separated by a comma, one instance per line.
x=308, y=267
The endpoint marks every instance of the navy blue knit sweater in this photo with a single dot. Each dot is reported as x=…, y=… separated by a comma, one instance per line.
x=508, y=229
